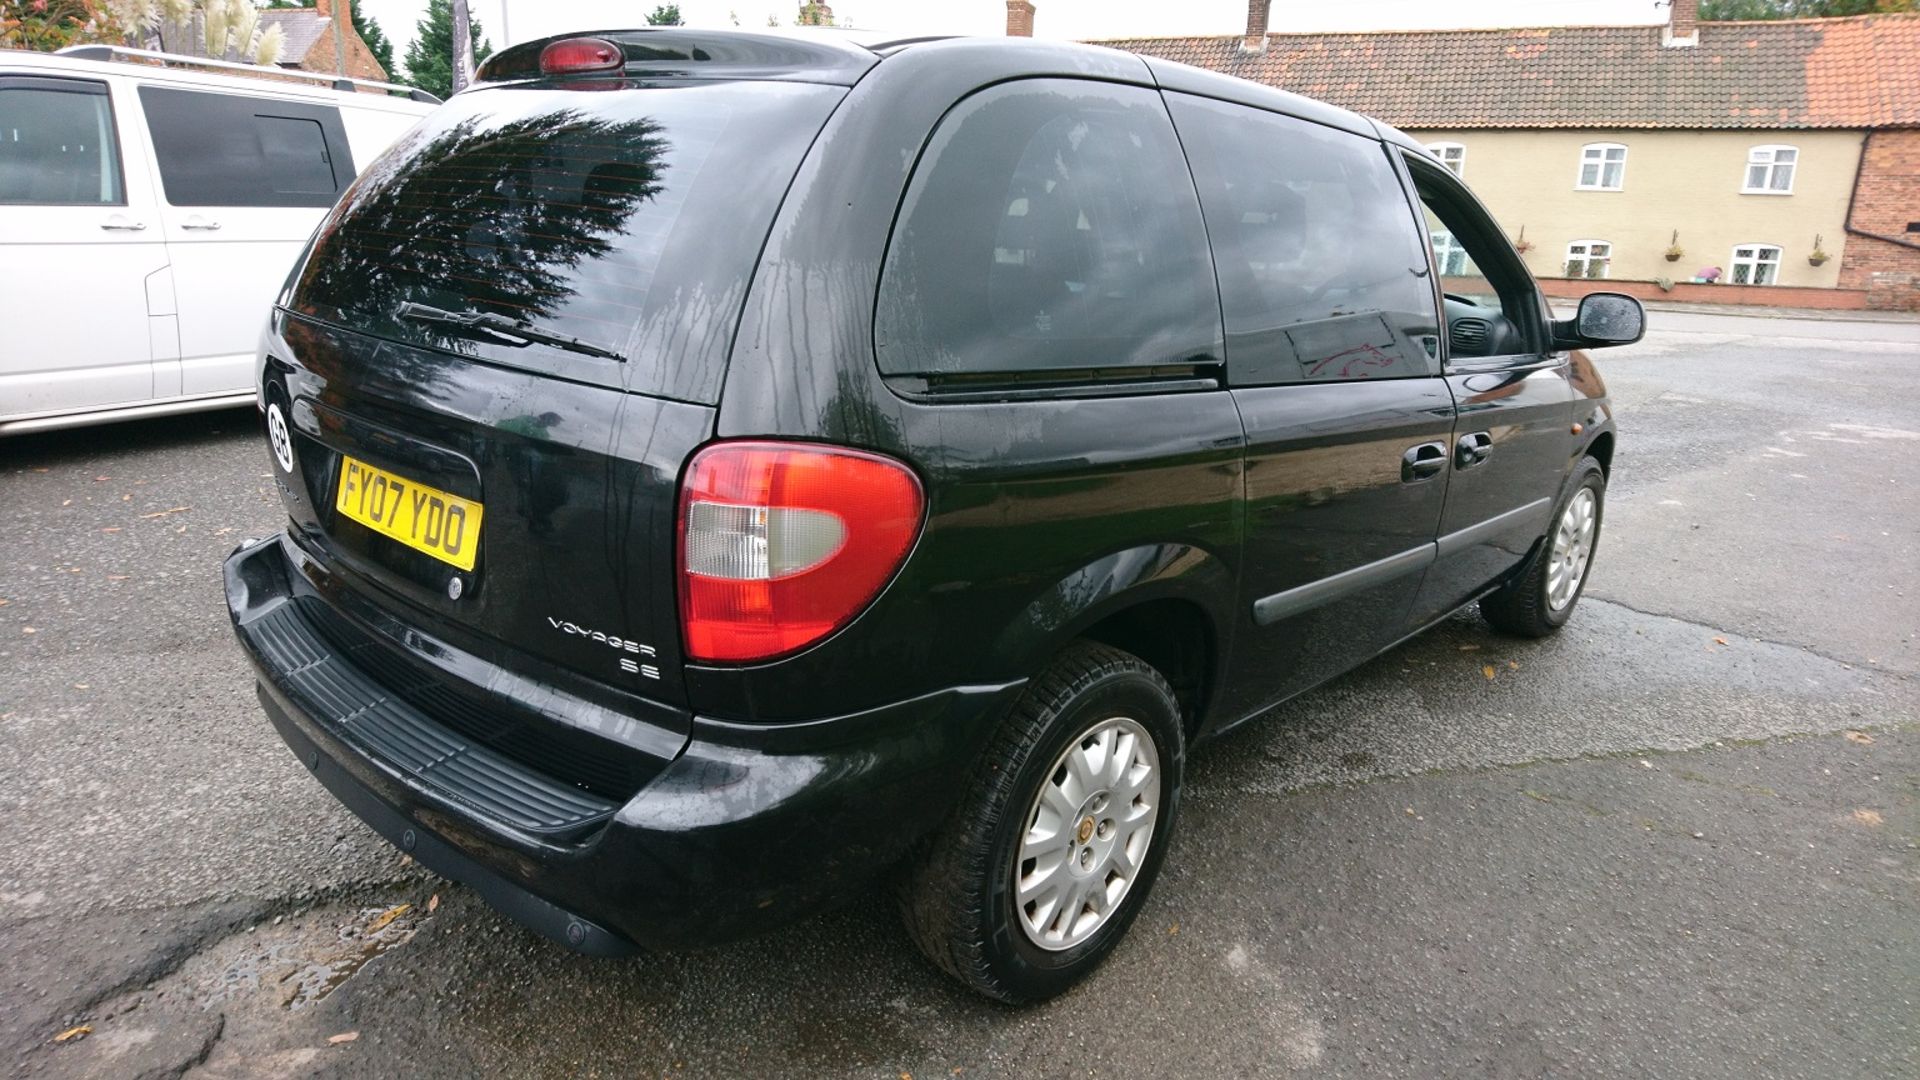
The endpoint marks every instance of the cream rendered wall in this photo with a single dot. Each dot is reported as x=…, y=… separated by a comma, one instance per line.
x=1685, y=180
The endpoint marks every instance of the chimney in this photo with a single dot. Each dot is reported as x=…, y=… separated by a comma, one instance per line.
x=323, y=8
x=1019, y=18
x=1683, y=24
x=1256, y=39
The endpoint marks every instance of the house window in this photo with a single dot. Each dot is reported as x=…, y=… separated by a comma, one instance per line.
x=1756, y=264
x=1588, y=258
x=1770, y=170
x=1603, y=166
x=1451, y=154
x=1447, y=252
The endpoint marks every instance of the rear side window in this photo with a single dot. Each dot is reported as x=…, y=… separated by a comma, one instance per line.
x=1323, y=272
x=1051, y=225
x=229, y=150
x=628, y=220
x=57, y=144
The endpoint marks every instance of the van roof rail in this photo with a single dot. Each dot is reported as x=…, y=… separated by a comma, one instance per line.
x=337, y=82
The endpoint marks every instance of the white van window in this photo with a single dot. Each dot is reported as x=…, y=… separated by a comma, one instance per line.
x=230, y=150
x=57, y=144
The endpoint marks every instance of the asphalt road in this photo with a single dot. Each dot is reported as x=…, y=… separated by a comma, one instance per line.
x=1680, y=839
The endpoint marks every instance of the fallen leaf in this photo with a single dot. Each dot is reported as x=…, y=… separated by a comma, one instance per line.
x=1719, y=641
x=1860, y=737
x=1514, y=664
x=1172, y=930
x=28, y=630
x=1469, y=648
x=433, y=903
x=1409, y=811
x=126, y=498
x=73, y=1033
x=1868, y=817
x=80, y=686
x=101, y=479
x=69, y=502
x=1487, y=671
x=111, y=528
x=906, y=1076
x=4, y=603
x=343, y=1037
x=388, y=916
x=164, y=513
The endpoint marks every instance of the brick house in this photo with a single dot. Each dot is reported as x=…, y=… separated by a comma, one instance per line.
x=315, y=40
x=1756, y=148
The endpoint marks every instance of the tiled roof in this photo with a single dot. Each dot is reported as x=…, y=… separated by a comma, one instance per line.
x=1806, y=73
x=303, y=27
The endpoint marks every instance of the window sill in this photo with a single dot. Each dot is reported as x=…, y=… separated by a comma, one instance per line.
x=1584, y=187
x=1763, y=191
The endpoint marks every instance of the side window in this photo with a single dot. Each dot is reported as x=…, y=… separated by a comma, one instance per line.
x=1323, y=274
x=229, y=150
x=1050, y=226
x=57, y=143
x=1492, y=307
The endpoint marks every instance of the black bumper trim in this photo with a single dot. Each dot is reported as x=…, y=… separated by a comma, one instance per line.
x=546, y=919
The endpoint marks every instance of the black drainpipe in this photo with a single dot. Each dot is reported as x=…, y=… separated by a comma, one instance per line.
x=1854, y=195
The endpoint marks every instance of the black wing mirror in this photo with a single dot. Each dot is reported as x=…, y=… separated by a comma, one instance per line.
x=1604, y=319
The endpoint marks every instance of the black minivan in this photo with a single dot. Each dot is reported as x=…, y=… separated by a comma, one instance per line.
x=729, y=473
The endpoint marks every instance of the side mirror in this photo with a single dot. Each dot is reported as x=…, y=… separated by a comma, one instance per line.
x=1603, y=319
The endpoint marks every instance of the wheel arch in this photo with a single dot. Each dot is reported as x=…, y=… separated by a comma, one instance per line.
x=1165, y=603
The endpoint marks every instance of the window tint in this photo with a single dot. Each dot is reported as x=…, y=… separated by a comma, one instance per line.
x=228, y=150
x=1323, y=275
x=1050, y=225
x=57, y=144
x=630, y=220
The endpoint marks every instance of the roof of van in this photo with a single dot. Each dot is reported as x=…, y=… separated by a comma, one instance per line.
x=270, y=82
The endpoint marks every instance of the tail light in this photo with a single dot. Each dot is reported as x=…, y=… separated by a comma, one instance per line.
x=781, y=544
x=574, y=56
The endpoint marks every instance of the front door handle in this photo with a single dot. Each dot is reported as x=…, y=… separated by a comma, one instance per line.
x=1422, y=462
x=1472, y=449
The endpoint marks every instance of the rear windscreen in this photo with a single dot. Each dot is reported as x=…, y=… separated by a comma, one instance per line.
x=628, y=219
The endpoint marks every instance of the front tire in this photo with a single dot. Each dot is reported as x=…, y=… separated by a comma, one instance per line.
x=1060, y=834
x=1541, y=599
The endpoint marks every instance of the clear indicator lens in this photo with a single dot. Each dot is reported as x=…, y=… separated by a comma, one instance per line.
x=759, y=543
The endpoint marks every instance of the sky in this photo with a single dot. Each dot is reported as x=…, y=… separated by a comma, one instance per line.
x=508, y=21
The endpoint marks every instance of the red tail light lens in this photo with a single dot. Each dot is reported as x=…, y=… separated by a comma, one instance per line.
x=781, y=544
x=576, y=55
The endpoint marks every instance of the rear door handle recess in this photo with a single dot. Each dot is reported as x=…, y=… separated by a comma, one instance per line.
x=1422, y=462
x=197, y=223
x=1472, y=450
x=123, y=225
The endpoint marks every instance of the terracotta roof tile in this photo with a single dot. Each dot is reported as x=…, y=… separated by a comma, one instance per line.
x=1808, y=73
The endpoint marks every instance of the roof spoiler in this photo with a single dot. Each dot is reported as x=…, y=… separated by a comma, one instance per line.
x=166, y=59
x=668, y=52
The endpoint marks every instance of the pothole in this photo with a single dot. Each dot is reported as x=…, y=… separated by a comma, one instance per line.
x=298, y=960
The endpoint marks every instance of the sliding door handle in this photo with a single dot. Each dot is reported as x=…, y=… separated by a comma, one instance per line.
x=1423, y=462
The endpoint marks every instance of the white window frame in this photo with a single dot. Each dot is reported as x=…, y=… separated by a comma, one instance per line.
x=1587, y=257
x=1767, y=156
x=1451, y=155
x=1757, y=261
x=1595, y=154
x=1446, y=247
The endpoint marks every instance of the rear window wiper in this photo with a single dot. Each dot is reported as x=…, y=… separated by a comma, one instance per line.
x=505, y=327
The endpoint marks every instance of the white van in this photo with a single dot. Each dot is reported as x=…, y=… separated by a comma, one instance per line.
x=150, y=209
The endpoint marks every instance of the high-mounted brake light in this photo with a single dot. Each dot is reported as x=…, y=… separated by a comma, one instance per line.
x=781, y=544
x=574, y=56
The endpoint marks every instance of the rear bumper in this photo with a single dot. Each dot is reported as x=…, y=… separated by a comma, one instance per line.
x=749, y=826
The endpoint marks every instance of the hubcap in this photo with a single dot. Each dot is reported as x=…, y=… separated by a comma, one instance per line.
x=1087, y=834
x=1572, y=547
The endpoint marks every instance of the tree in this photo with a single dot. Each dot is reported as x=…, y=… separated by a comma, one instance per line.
x=665, y=15
x=430, y=57
x=1737, y=10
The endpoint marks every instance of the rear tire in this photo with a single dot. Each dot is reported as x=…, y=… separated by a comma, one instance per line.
x=1018, y=899
x=1541, y=599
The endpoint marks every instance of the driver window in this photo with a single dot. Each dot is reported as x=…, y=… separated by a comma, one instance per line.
x=1491, y=306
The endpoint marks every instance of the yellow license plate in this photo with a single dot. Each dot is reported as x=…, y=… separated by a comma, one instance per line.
x=424, y=518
